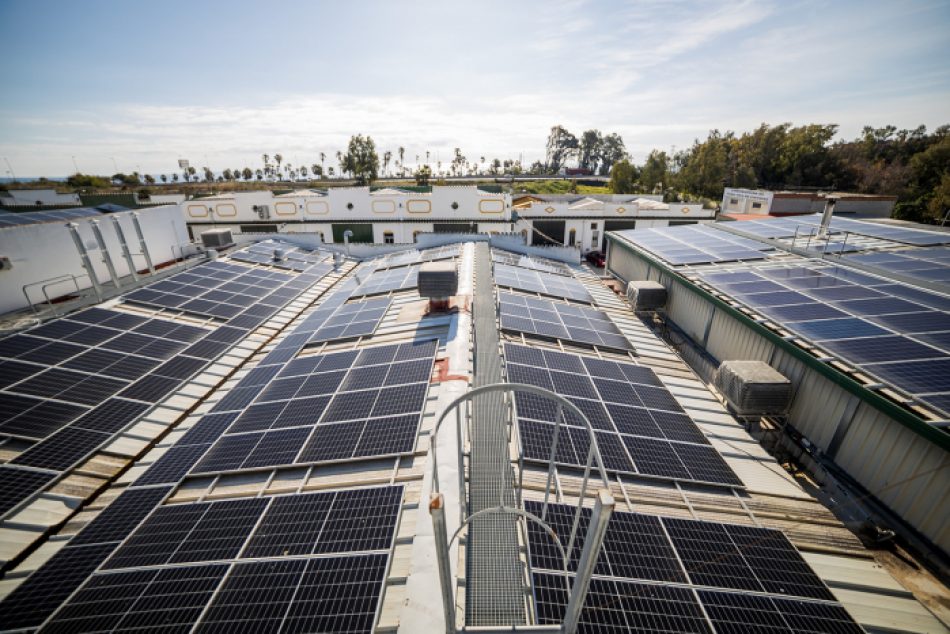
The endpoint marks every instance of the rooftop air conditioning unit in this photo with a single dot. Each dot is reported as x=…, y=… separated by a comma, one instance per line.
x=753, y=388
x=646, y=295
x=216, y=238
x=438, y=281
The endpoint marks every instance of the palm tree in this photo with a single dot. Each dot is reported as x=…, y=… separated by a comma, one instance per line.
x=175, y=177
x=164, y=178
x=402, y=154
x=323, y=157
x=387, y=156
x=339, y=159
x=266, y=158
x=427, y=157
x=303, y=171
x=278, y=158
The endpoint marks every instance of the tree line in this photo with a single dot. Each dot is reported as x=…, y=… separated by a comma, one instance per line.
x=913, y=165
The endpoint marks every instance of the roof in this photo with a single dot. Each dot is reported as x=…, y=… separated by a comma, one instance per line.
x=274, y=424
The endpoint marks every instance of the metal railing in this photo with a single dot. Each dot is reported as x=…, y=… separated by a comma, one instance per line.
x=44, y=286
x=603, y=505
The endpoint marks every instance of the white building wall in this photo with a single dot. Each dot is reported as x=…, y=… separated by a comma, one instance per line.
x=43, y=251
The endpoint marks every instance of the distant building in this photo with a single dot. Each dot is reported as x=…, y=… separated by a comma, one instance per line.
x=37, y=198
x=397, y=216
x=789, y=203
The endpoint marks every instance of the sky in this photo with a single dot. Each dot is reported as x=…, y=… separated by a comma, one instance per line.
x=105, y=86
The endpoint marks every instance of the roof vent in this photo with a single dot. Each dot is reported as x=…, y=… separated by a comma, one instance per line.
x=438, y=281
x=753, y=388
x=646, y=295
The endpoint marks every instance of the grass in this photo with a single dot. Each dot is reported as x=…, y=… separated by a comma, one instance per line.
x=556, y=187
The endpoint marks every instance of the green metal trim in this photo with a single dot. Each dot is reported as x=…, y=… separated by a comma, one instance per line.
x=881, y=403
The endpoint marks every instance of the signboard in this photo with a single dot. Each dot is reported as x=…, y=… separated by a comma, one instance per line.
x=183, y=164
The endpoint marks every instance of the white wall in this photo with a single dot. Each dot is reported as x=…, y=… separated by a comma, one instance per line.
x=43, y=251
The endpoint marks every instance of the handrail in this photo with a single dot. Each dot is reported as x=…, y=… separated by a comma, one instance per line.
x=49, y=282
x=595, y=529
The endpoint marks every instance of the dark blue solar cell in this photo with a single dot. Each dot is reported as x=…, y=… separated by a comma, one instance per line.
x=882, y=306
x=746, y=288
x=802, y=312
x=778, y=298
x=847, y=328
x=933, y=300
x=932, y=321
x=916, y=377
x=844, y=292
x=881, y=349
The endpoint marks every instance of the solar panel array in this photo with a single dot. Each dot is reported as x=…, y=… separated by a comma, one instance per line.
x=58, y=215
x=639, y=426
x=74, y=383
x=405, y=258
x=527, y=262
x=894, y=332
x=726, y=578
x=696, y=244
x=557, y=320
x=217, y=289
x=307, y=562
x=328, y=407
x=279, y=255
x=930, y=264
x=808, y=224
x=543, y=283
x=389, y=280
x=356, y=319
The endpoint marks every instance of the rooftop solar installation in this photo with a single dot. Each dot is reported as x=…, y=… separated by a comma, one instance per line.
x=894, y=332
x=529, y=262
x=543, y=283
x=356, y=319
x=714, y=567
x=57, y=215
x=930, y=264
x=640, y=427
x=329, y=407
x=389, y=280
x=405, y=258
x=556, y=320
x=71, y=384
x=217, y=289
x=699, y=244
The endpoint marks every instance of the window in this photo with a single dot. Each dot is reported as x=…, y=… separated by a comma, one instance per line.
x=593, y=226
x=389, y=238
x=733, y=201
x=595, y=240
x=572, y=237
x=757, y=205
x=258, y=228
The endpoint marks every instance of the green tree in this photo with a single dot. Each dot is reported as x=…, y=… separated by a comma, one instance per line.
x=247, y=173
x=589, y=149
x=655, y=172
x=227, y=174
x=422, y=175
x=561, y=146
x=623, y=178
x=277, y=159
x=164, y=178
x=361, y=159
x=610, y=150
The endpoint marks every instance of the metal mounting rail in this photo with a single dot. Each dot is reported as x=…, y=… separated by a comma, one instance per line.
x=603, y=508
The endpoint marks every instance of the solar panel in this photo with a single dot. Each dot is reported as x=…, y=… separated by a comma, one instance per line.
x=413, y=256
x=703, y=558
x=556, y=320
x=17, y=485
x=121, y=516
x=389, y=280
x=530, y=262
x=356, y=319
x=695, y=244
x=543, y=283
x=879, y=326
x=170, y=599
x=62, y=450
x=35, y=599
x=35, y=418
x=641, y=428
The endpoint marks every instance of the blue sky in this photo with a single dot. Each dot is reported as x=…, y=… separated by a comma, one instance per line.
x=221, y=83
